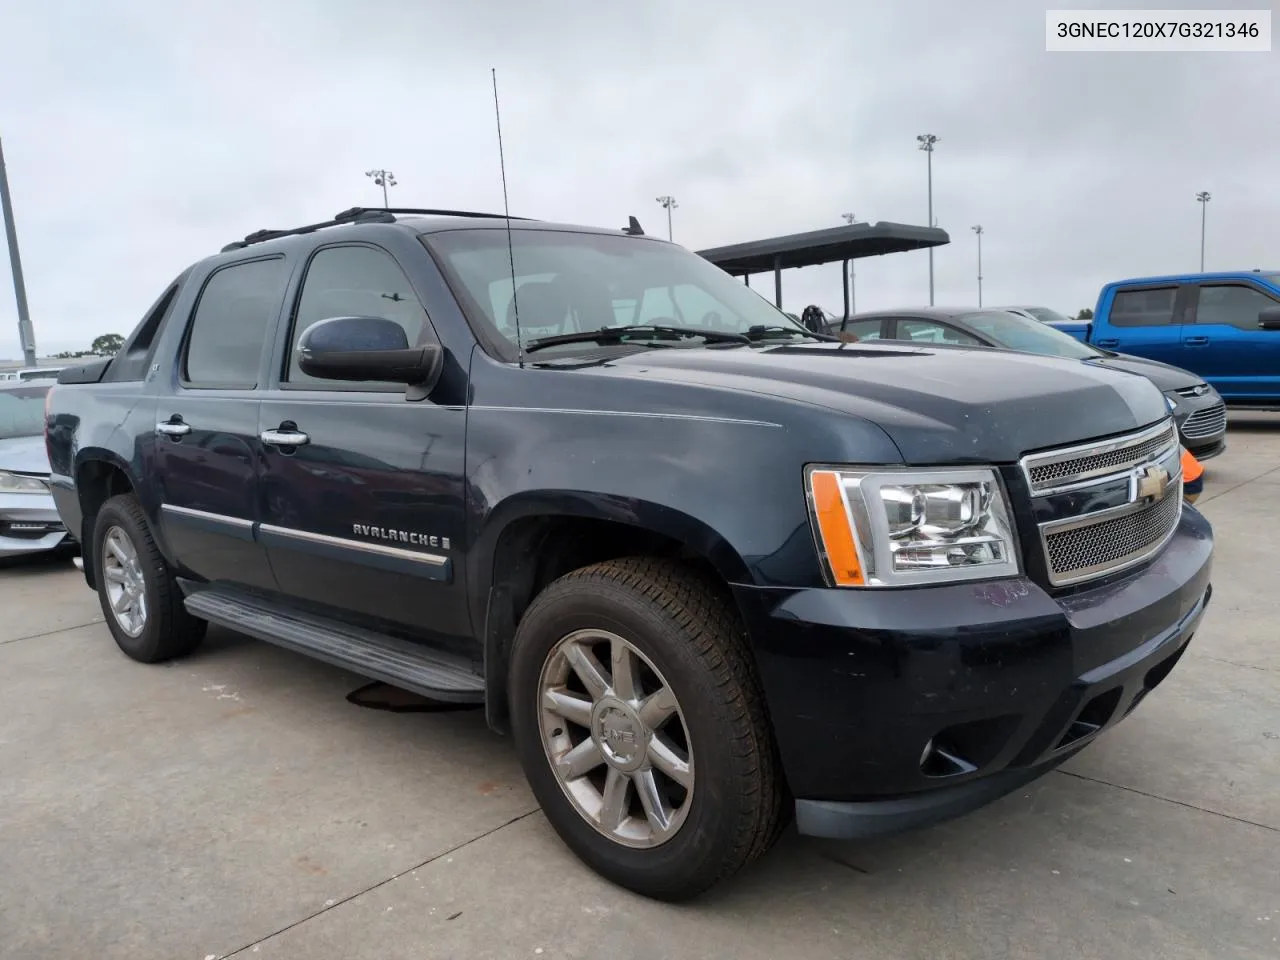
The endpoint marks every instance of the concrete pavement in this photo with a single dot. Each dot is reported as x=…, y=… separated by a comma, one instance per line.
x=236, y=804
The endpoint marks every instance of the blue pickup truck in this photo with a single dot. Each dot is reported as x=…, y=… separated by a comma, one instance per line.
x=1223, y=326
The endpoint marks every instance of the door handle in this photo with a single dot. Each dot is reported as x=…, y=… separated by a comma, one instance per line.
x=1196, y=341
x=284, y=438
x=173, y=427
x=1107, y=343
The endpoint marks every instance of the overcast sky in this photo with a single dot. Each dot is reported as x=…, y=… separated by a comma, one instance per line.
x=140, y=136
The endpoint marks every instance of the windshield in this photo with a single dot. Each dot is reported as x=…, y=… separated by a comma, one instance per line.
x=1030, y=336
x=571, y=282
x=22, y=411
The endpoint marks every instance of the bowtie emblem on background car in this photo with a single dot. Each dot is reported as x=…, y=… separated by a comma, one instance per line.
x=1149, y=482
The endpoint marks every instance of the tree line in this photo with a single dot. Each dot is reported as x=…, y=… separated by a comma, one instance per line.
x=106, y=345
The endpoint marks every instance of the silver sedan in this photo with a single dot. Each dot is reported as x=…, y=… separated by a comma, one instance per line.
x=29, y=522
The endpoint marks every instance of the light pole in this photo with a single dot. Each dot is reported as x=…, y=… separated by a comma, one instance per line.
x=850, y=219
x=1203, y=199
x=26, y=336
x=927, y=140
x=978, y=230
x=384, y=179
x=670, y=204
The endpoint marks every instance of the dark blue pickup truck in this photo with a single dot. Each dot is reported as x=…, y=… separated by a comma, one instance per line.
x=1225, y=327
x=709, y=569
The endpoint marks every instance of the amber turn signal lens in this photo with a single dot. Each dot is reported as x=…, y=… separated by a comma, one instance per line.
x=834, y=526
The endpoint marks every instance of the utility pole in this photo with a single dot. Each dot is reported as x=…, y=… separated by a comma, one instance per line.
x=1203, y=198
x=978, y=230
x=851, y=220
x=927, y=140
x=26, y=336
x=670, y=204
x=384, y=179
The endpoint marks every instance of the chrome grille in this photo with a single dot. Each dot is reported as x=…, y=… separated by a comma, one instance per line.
x=1082, y=542
x=1206, y=422
x=1081, y=552
x=1054, y=469
x=1199, y=390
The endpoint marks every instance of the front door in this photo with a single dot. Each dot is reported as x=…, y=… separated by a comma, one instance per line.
x=1226, y=346
x=207, y=445
x=363, y=490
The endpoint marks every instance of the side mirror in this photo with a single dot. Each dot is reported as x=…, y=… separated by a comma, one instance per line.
x=1269, y=319
x=367, y=349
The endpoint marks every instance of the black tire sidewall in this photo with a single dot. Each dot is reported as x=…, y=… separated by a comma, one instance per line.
x=691, y=859
x=146, y=646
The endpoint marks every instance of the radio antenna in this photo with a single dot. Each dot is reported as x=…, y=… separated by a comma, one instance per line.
x=506, y=214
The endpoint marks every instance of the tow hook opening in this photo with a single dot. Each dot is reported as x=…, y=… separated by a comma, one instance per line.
x=966, y=747
x=1095, y=715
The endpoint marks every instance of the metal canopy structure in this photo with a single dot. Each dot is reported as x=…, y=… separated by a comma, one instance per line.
x=817, y=247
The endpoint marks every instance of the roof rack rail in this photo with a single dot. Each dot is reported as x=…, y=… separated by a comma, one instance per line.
x=261, y=236
x=426, y=211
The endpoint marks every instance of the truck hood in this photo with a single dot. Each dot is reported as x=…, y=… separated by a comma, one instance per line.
x=937, y=404
x=1163, y=375
x=24, y=455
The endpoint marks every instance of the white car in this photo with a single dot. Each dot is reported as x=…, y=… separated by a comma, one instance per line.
x=29, y=521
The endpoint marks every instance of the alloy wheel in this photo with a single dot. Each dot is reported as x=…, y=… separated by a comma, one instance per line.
x=122, y=576
x=616, y=738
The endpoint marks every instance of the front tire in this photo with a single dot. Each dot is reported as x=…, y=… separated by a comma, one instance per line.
x=641, y=727
x=140, y=598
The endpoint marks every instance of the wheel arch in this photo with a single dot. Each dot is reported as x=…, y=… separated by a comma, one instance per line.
x=99, y=476
x=531, y=539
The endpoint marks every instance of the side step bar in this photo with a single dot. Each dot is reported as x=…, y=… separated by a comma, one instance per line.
x=373, y=655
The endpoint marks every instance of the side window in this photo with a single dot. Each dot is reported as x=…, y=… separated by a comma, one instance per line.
x=353, y=282
x=868, y=329
x=229, y=328
x=1233, y=304
x=1143, y=308
x=930, y=331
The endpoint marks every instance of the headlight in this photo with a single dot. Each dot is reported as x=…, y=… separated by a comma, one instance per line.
x=888, y=528
x=1173, y=404
x=17, y=483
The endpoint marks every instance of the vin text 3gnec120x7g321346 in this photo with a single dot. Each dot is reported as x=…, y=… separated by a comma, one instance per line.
x=710, y=570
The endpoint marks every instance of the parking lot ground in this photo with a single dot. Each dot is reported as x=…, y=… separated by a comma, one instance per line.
x=236, y=804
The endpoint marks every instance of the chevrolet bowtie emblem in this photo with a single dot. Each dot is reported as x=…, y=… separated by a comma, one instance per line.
x=1150, y=482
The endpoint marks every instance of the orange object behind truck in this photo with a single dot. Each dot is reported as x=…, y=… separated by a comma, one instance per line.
x=1192, y=476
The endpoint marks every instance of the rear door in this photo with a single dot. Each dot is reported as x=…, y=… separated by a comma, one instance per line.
x=206, y=444
x=363, y=490
x=1146, y=321
x=1225, y=345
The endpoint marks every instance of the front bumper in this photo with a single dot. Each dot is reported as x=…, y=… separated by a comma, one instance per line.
x=897, y=708
x=29, y=523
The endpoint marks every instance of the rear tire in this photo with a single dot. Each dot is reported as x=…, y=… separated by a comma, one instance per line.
x=140, y=598
x=665, y=779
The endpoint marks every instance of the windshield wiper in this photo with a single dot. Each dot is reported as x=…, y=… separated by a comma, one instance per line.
x=637, y=331
x=762, y=332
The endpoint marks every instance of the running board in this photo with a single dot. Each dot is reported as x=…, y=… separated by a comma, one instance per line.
x=374, y=655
